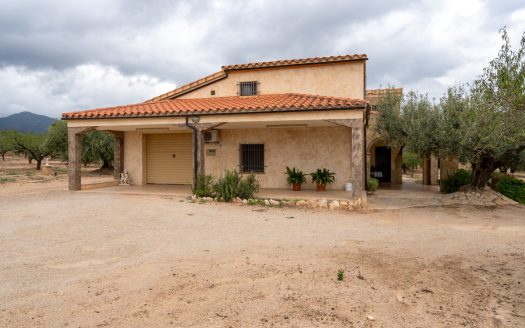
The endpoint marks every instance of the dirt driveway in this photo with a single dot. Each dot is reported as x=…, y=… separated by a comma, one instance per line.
x=93, y=260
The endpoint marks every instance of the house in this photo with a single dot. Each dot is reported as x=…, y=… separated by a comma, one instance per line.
x=258, y=117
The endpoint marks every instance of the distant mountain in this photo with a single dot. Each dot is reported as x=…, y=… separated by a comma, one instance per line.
x=26, y=122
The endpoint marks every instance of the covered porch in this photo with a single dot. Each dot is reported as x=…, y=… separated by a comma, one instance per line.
x=190, y=142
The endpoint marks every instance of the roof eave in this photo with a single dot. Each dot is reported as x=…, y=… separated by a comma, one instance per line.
x=229, y=68
x=285, y=110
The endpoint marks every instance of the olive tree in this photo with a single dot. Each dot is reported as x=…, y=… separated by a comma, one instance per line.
x=414, y=126
x=6, y=143
x=488, y=121
x=34, y=145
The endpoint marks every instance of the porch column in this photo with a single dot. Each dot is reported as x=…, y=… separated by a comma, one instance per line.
x=357, y=161
x=425, y=165
x=434, y=178
x=118, y=153
x=199, y=148
x=74, y=153
x=448, y=165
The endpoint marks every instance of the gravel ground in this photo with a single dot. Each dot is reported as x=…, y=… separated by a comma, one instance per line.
x=84, y=259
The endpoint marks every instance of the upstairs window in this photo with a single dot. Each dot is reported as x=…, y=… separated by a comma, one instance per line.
x=252, y=158
x=248, y=88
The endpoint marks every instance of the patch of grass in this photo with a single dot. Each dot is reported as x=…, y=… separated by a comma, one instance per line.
x=30, y=173
x=12, y=172
x=341, y=275
x=4, y=180
x=36, y=177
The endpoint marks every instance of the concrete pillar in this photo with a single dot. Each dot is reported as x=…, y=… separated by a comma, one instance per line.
x=73, y=167
x=448, y=165
x=74, y=153
x=397, y=166
x=357, y=162
x=118, y=153
x=434, y=170
x=425, y=163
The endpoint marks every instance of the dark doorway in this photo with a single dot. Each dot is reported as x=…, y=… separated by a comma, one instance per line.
x=383, y=164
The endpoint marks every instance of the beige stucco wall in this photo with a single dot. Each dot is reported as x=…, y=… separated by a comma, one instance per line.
x=135, y=157
x=305, y=148
x=345, y=79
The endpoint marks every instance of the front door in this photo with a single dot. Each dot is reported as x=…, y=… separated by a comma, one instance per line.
x=383, y=164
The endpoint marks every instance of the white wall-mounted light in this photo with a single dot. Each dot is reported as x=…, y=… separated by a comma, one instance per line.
x=195, y=119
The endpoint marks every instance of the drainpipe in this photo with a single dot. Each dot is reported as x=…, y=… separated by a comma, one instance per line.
x=367, y=115
x=195, y=130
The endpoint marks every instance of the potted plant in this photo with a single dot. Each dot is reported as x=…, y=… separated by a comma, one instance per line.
x=295, y=178
x=373, y=183
x=322, y=177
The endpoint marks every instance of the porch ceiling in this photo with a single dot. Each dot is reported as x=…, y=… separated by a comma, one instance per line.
x=171, y=128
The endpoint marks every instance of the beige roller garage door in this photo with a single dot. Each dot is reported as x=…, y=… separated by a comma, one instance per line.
x=169, y=158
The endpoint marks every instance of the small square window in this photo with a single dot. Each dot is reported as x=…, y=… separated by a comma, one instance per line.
x=248, y=88
x=252, y=158
x=212, y=92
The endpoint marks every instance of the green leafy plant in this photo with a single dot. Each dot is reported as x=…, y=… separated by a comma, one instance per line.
x=203, y=186
x=322, y=177
x=512, y=187
x=341, y=275
x=373, y=184
x=232, y=185
x=295, y=178
x=410, y=161
x=455, y=181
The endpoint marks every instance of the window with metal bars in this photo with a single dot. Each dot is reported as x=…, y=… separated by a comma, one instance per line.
x=248, y=88
x=252, y=158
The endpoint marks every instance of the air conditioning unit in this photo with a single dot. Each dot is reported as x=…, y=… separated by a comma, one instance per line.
x=211, y=136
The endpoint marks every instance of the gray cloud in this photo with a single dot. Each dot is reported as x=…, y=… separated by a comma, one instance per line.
x=54, y=46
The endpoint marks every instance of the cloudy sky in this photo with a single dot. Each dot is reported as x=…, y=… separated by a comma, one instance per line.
x=58, y=56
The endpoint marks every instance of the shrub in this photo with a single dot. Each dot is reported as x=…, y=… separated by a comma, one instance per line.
x=232, y=185
x=373, y=184
x=495, y=178
x=204, y=186
x=455, y=181
x=512, y=187
x=248, y=187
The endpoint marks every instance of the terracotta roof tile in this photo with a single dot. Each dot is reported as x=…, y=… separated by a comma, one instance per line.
x=221, y=105
x=291, y=62
x=380, y=92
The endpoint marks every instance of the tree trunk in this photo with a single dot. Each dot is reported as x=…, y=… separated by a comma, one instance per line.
x=30, y=160
x=107, y=164
x=3, y=156
x=481, y=172
x=39, y=164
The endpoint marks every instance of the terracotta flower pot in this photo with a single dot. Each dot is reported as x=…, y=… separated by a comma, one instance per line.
x=296, y=186
x=321, y=187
